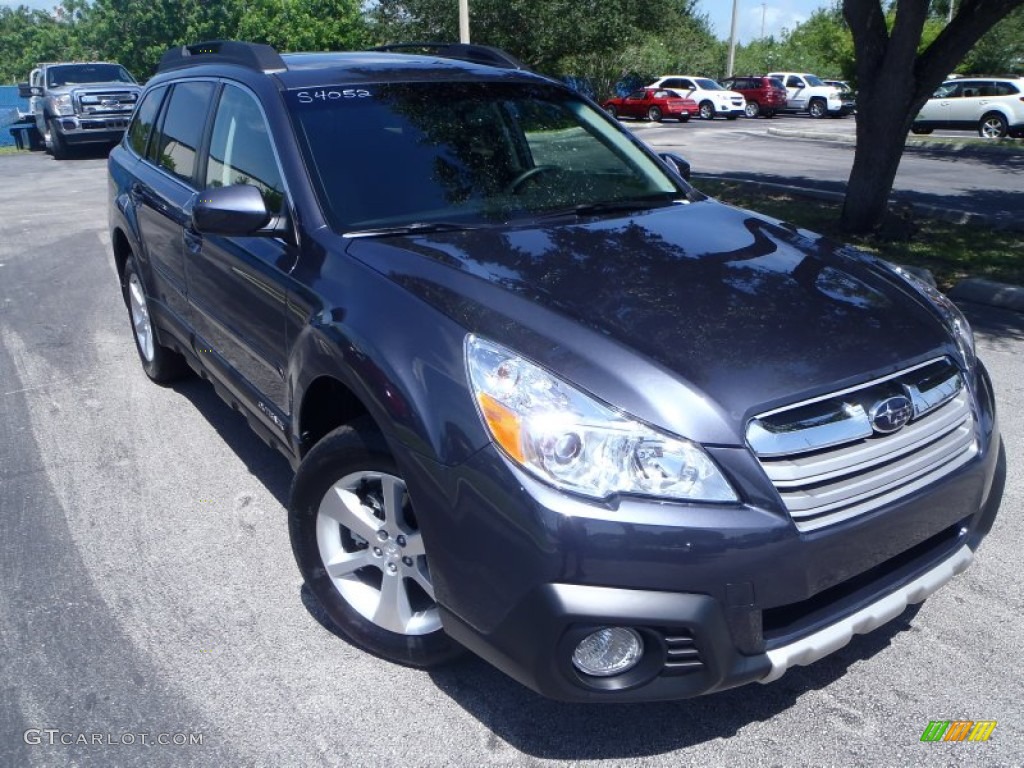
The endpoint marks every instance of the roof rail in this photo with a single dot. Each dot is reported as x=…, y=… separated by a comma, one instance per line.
x=478, y=54
x=252, y=55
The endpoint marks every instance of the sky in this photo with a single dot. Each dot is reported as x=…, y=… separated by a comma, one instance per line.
x=778, y=15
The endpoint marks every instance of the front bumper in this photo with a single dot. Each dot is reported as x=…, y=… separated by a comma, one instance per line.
x=722, y=595
x=107, y=129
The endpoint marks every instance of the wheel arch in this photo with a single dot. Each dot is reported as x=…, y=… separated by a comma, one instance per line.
x=327, y=403
x=123, y=250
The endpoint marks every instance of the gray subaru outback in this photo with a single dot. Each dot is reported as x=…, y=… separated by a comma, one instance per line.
x=544, y=399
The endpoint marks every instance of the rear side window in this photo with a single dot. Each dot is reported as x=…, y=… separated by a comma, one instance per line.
x=144, y=120
x=240, y=149
x=176, y=146
x=1006, y=89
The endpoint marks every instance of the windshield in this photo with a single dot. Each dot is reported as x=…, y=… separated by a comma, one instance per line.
x=708, y=85
x=77, y=74
x=813, y=81
x=473, y=153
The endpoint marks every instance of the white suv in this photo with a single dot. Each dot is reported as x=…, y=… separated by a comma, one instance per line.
x=993, y=106
x=712, y=98
x=808, y=93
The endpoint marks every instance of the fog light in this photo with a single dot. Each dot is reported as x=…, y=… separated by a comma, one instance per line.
x=609, y=651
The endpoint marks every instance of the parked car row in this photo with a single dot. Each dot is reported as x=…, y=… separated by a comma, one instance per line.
x=750, y=95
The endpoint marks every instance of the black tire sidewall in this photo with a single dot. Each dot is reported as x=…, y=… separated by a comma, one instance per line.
x=354, y=448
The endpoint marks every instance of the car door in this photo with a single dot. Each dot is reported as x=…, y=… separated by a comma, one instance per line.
x=975, y=100
x=936, y=111
x=235, y=284
x=796, y=92
x=635, y=105
x=162, y=191
x=35, y=101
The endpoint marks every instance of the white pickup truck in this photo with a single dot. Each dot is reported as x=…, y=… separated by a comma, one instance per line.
x=76, y=103
x=807, y=93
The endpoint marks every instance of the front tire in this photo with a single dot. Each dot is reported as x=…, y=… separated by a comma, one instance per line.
x=919, y=131
x=707, y=110
x=161, y=364
x=993, y=126
x=358, y=545
x=58, y=147
x=817, y=109
x=753, y=109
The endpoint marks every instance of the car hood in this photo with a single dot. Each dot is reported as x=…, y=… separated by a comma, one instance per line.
x=746, y=312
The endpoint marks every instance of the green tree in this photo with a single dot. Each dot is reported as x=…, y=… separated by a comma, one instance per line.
x=304, y=25
x=601, y=39
x=1001, y=51
x=894, y=80
x=30, y=36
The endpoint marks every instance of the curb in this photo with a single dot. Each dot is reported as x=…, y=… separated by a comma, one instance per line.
x=973, y=289
x=995, y=146
x=951, y=215
x=982, y=291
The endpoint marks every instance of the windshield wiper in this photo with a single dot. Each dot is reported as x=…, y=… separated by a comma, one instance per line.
x=415, y=227
x=614, y=206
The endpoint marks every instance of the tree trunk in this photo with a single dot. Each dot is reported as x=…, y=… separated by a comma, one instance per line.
x=894, y=82
x=882, y=126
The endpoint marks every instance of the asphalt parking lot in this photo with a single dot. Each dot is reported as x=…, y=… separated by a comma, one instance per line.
x=148, y=592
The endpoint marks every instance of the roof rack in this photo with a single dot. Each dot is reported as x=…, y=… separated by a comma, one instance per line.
x=252, y=55
x=478, y=54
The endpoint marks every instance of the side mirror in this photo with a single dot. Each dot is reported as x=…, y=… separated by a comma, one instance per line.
x=235, y=211
x=677, y=163
x=24, y=91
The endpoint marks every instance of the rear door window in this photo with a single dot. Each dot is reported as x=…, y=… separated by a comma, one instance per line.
x=144, y=120
x=176, y=146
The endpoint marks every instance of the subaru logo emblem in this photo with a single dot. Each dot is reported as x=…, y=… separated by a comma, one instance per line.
x=891, y=414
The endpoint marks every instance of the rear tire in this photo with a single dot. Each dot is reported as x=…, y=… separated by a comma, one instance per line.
x=358, y=546
x=611, y=110
x=993, y=126
x=654, y=114
x=161, y=364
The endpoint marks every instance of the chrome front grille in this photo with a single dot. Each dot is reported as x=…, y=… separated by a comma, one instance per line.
x=106, y=102
x=830, y=461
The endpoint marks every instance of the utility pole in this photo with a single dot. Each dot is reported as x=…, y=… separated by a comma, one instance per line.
x=463, y=21
x=732, y=38
x=764, y=7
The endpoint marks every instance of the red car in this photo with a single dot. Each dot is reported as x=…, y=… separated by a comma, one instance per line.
x=764, y=95
x=654, y=104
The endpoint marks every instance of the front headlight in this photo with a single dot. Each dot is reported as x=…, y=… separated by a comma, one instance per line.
x=61, y=105
x=950, y=312
x=575, y=443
